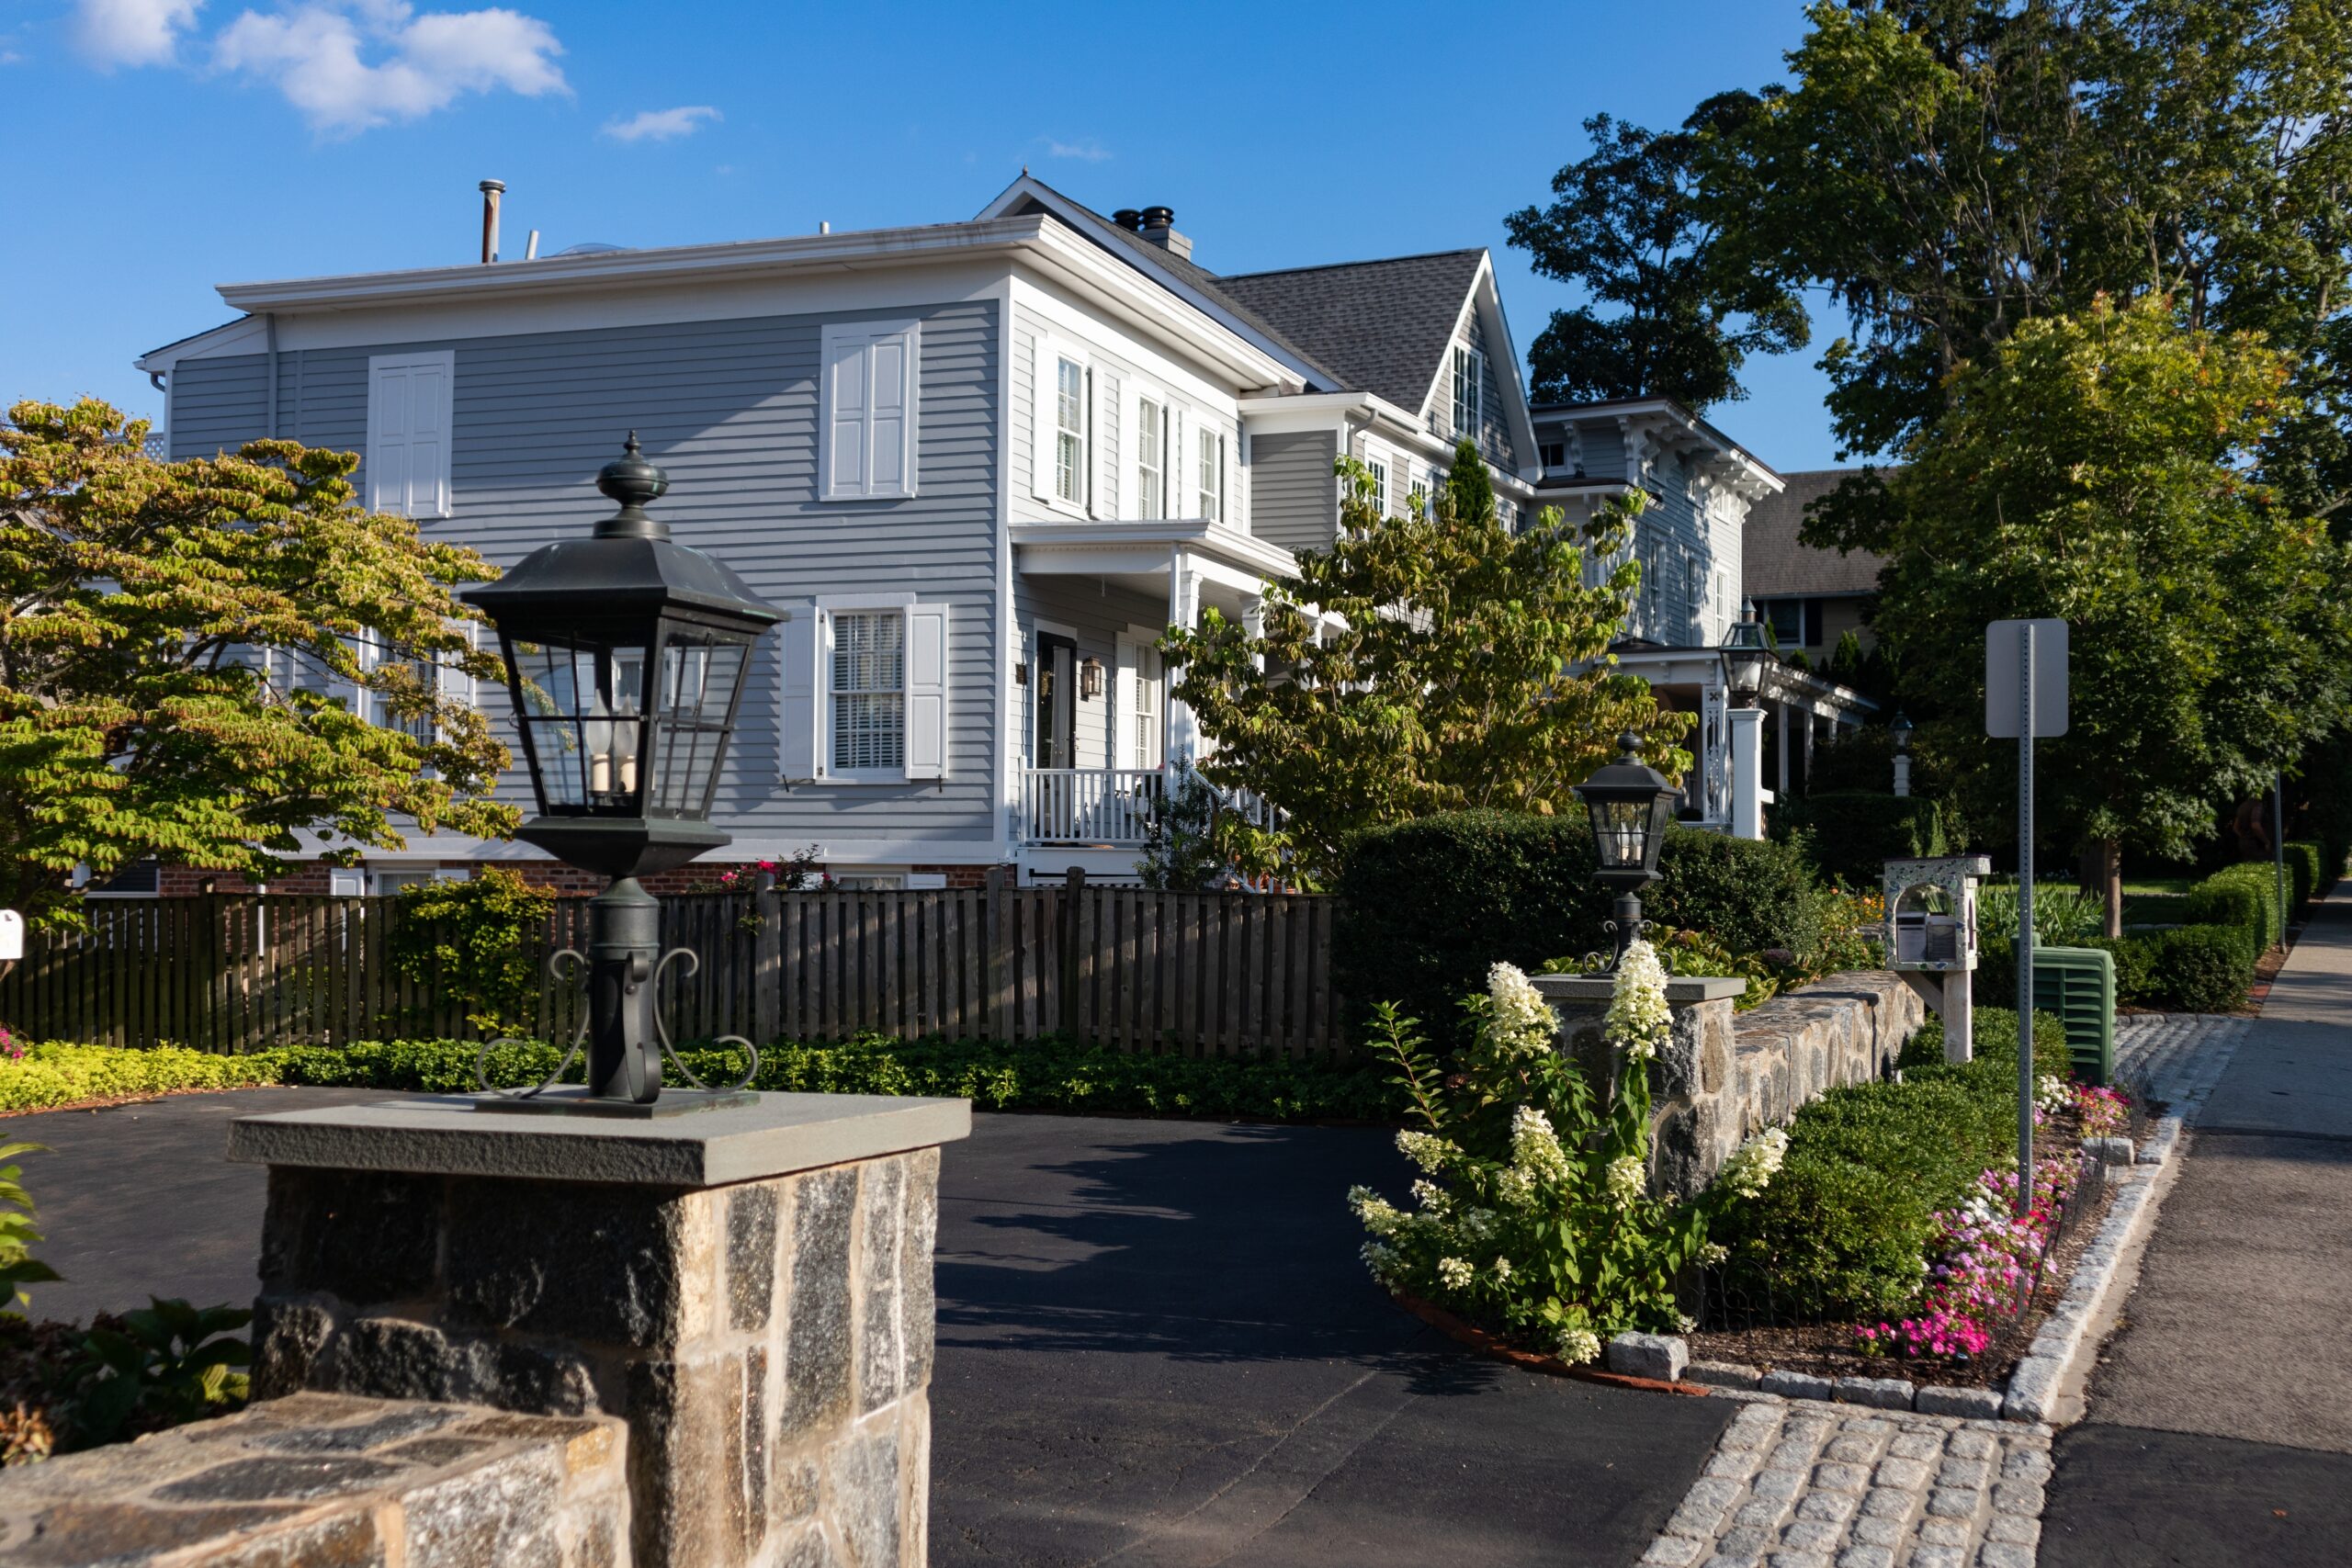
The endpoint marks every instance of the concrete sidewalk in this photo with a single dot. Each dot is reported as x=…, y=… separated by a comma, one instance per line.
x=2219, y=1427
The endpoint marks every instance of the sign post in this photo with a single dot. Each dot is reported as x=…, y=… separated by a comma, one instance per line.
x=2025, y=697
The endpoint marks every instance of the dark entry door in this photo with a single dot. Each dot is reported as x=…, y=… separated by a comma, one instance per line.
x=1056, y=701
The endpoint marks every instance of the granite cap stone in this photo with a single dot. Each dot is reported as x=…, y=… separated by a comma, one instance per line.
x=1602, y=988
x=446, y=1136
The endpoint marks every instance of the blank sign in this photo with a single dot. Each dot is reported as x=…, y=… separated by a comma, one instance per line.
x=2003, y=648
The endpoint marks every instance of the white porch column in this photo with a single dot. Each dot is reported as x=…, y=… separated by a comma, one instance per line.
x=1748, y=796
x=1780, y=753
x=1902, y=777
x=1184, y=611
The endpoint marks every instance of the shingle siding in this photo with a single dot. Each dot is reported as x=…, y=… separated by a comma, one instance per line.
x=1294, y=491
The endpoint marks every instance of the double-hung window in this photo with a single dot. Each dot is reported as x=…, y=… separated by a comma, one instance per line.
x=1212, y=475
x=1151, y=457
x=1070, y=433
x=868, y=692
x=1469, y=369
x=1378, y=463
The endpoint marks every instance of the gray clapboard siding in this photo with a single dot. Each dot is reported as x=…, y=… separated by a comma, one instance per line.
x=1100, y=615
x=1294, y=494
x=730, y=409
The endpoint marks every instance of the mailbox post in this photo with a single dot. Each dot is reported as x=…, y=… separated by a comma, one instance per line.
x=1931, y=937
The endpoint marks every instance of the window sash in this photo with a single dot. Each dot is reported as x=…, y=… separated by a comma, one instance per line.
x=1069, y=430
x=867, y=687
x=1151, y=462
x=1467, y=370
x=1212, y=475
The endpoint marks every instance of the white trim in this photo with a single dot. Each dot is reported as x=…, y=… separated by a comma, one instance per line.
x=872, y=341
x=1045, y=429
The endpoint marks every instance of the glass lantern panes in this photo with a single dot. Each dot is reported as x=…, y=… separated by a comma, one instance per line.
x=1618, y=831
x=583, y=724
x=693, y=701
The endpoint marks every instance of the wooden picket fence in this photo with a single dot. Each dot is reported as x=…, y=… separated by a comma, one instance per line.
x=1224, y=973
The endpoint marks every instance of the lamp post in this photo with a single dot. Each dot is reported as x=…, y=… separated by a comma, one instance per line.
x=1745, y=653
x=1630, y=804
x=626, y=655
x=1900, y=731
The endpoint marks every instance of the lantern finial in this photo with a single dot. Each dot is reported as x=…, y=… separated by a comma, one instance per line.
x=632, y=481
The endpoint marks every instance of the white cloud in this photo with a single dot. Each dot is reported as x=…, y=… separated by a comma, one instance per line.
x=1090, y=150
x=316, y=56
x=132, y=32
x=661, y=125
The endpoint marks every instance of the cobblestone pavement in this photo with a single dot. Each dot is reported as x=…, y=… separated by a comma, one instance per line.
x=1802, y=1484
x=2179, y=1055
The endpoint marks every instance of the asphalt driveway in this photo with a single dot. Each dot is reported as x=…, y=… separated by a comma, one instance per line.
x=1156, y=1347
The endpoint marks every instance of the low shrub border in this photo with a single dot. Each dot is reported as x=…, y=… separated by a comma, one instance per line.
x=1043, y=1076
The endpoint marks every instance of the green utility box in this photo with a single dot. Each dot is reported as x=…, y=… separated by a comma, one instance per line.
x=2077, y=985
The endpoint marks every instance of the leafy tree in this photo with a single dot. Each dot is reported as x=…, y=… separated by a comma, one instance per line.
x=1627, y=224
x=171, y=633
x=2096, y=467
x=1423, y=663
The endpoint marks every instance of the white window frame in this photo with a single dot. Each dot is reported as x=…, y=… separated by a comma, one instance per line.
x=828, y=695
x=1209, y=463
x=391, y=375
x=870, y=342
x=805, y=690
x=1382, y=460
x=1469, y=390
x=1046, y=481
x=1150, y=407
x=1137, y=651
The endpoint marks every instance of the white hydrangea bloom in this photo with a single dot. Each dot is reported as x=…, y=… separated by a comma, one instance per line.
x=1503, y=1267
x=1519, y=1018
x=1534, y=1147
x=1578, y=1345
x=1753, y=1165
x=1379, y=1215
x=1433, y=1198
x=1515, y=1188
x=1477, y=1224
x=1426, y=1150
x=1713, y=1252
x=1627, y=1181
x=1639, y=1018
x=1381, y=1260
x=1454, y=1273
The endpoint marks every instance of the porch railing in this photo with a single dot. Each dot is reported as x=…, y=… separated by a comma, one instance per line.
x=1088, y=805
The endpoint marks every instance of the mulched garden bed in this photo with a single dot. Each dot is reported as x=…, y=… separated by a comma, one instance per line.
x=1827, y=1349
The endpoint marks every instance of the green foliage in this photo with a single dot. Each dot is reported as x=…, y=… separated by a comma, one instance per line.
x=18, y=1267
x=1180, y=851
x=1841, y=1233
x=2202, y=968
x=2094, y=469
x=1427, y=906
x=2244, y=896
x=49, y=1075
x=1851, y=835
x=1624, y=227
x=479, y=940
x=162, y=1365
x=1468, y=667
x=2062, y=916
x=172, y=633
x=1540, y=1221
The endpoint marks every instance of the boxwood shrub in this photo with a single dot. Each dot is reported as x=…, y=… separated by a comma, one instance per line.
x=2184, y=969
x=2244, y=896
x=1851, y=834
x=1427, y=906
x=1843, y=1229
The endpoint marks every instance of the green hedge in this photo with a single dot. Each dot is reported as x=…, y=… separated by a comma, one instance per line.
x=1851, y=834
x=1047, y=1075
x=1842, y=1230
x=2244, y=896
x=1427, y=906
x=2185, y=969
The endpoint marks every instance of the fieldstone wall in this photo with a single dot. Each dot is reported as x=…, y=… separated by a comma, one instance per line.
x=1728, y=1076
x=323, y=1478
x=768, y=1343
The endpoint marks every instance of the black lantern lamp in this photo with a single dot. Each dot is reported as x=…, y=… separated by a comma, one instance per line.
x=626, y=655
x=1899, y=731
x=1631, y=805
x=1745, y=653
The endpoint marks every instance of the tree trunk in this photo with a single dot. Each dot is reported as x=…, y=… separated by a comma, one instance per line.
x=2107, y=864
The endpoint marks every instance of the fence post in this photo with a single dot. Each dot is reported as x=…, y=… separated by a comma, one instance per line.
x=1002, y=1019
x=767, y=963
x=1073, y=893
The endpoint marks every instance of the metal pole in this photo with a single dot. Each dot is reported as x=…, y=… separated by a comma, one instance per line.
x=2279, y=846
x=623, y=947
x=2025, y=916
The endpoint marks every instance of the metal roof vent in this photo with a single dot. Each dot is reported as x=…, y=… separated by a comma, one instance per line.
x=1159, y=228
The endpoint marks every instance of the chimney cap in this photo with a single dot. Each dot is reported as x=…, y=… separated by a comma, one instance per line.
x=487, y=187
x=1159, y=218
x=1127, y=217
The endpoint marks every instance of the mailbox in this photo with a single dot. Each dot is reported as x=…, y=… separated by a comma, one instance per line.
x=1931, y=937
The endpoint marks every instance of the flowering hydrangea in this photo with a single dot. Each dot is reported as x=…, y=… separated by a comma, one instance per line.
x=1503, y=1267
x=1534, y=1147
x=1454, y=1273
x=1518, y=1018
x=1578, y=1345
x=1753, y=1165
x=1627, y=1181
x=1639, y=1018
x=1424, y=1149
x=1381, y=1217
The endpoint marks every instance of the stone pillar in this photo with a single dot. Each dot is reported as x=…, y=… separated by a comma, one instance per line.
x=749, y=1289
x=1748, y=796
x=1695, y=1119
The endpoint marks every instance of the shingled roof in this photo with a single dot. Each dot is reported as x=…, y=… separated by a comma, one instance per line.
x=1774, y=565
x=1382, y=325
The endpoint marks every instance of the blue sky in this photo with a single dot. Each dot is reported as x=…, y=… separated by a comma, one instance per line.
x=165, y=146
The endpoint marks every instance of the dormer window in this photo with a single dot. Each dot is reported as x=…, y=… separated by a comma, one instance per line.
x=1469, y=372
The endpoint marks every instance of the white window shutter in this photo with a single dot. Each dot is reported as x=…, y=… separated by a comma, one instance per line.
x=926, y=691
x=409, y=413
x=1042, y=418
x=847, y=418
x=1123, y=718
x=890, y=385
x=1098, y=495
x=796, y=694
x=389, y=463
x=428, y=442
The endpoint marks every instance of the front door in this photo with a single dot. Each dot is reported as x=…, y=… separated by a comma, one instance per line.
x=1057, y=702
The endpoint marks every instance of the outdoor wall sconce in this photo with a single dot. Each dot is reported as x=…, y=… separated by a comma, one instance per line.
x=1630, y=804
x=1090, y=678
x=1745, y=653
x=626, y=653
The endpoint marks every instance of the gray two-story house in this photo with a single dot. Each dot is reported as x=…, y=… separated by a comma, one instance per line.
x=982, y=465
